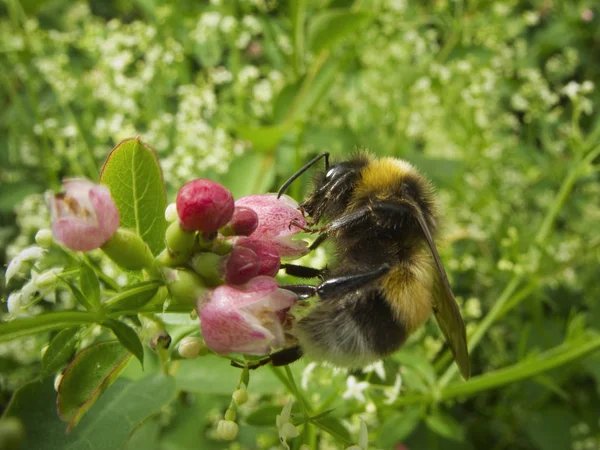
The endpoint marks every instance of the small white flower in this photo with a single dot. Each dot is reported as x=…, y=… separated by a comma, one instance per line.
x=376, y=367
x=354, y=389
x=572, y=89
x=393, y=392
x=227, y=430
x=306, y=374
x=13, y=303
x=29, y=254
x=285, y=428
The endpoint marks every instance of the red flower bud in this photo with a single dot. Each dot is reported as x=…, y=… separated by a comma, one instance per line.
x=241, y=266
x=244, y=221
x=203, y=205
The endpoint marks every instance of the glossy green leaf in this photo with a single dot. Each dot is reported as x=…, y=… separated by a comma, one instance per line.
x=262, y=139
x=134, y=177
x=397, y=427
x=60, y=350
x=134, y=297
x=90, y=286
x=108, y=424
x=334, y=427
x=326, y=29
x=446, y=426
x=87, y=376
x=128, y=337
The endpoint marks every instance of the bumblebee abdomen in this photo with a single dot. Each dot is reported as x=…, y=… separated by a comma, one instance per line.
x=353, y=331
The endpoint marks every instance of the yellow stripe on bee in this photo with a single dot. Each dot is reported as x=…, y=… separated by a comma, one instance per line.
x=408, y=289
x=381, y=175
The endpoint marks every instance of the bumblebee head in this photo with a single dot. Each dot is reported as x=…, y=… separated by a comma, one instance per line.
x=333, y=187
x=393, y=181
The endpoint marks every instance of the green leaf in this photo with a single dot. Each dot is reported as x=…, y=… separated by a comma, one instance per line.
x=109, y=423
x=83, y=300
x=213, y=375
x=88, y=375
x=445, y=426
x=90, y=286
x=334, y=427
x=262, y=139
x=128, y=337
x=263, y=416
x=329, y=27
x=134, y=177
x=46, y=322
x=60, y=350
x=397, y=427
x=251, y=173
x=417, y=361
x=134, y=297
x=313, y=89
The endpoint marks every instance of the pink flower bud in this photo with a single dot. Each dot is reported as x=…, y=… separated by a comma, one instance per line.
x=203, y=205
x=244, y=221
x=85, y=216
x=241, y=265
x=267, y=253
x=245, y=318
x=275, y=217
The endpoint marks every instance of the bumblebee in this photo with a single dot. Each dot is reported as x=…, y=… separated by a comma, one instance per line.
x=387, y=278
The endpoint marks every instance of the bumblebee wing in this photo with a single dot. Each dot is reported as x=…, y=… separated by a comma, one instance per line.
x=446, y=310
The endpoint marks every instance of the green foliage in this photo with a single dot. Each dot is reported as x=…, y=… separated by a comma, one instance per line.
x=491, y=100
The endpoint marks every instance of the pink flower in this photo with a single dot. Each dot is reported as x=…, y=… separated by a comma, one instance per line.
x=245, y=319
x=274, y=222
x=203, y=205
x=85, y=216
x=266, y=252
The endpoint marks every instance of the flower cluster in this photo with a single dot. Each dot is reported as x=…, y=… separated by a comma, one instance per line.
x=236, y=247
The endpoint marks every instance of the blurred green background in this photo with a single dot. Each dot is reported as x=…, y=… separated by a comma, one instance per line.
x=495, y=101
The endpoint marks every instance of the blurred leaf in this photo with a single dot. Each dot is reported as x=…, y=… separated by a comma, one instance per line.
x=334, y=427
x=327, y=28
x=213, y=375
x=251, y=173
x=128, y=337
x=549, y=429
x=133, y=174
x=397, y=427
x=262, y=139
x=446, y=426
x=419, y=363
x=59, y=351
x=134, y=297
x=263, y=416
x=88, y=375
x=12, y=196
x=145, y=436
x=108, y=424
x=90, y=286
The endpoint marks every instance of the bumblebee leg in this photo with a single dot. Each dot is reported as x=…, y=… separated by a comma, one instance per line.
x=286, y=356
x=279, y=358
x=338, y=286
x=318, y=241
x=349, y=220
x=302, y=271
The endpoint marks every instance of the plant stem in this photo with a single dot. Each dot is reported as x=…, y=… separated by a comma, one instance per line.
x=297, y=393
x=46, y=322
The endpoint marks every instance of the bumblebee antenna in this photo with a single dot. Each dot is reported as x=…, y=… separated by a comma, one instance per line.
x=303, y=169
